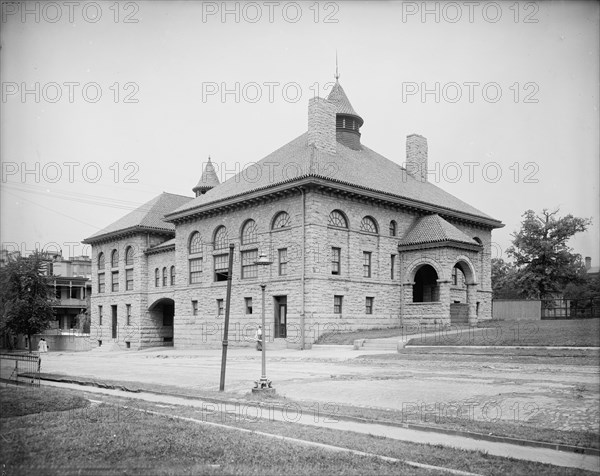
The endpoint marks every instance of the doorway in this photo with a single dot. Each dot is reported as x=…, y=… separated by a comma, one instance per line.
x=114, y=321
x=280, y=316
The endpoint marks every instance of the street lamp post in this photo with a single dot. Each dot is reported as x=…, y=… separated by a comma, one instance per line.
x=263, y=385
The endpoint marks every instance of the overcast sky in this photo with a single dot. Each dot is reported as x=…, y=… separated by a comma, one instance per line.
x=106, y=105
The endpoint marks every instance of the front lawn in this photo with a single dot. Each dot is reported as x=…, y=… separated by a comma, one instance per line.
x=115, y=437
x=563, y=333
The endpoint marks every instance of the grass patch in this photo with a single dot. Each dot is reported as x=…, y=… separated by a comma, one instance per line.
x=112, y=439
x=33, y=400
x=569, y=333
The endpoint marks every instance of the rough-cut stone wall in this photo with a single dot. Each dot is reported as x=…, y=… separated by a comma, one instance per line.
x=205, y=329
x=138, y=297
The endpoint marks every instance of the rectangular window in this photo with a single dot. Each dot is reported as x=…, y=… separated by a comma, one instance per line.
x=336, y=254
x=221, y=267
x=129, y=279
x=392, y=266
x=283, y=262
x=248, y=305
x=220, y=307
x=74, y=293
x=369, y=305
x=194, y=308
x=99, y=315
x=101, y=282
x=454, y=277
x=249, y=267
x=195, y=270
x=115, y=281
x=337, y=304
x=128, y=310
x=366, y=264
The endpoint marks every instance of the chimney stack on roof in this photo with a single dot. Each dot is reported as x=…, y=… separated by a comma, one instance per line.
x=588, y=262
x=321, y=125
x=416, y=157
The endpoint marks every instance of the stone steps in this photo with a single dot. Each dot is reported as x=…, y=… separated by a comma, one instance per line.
x=376, y=344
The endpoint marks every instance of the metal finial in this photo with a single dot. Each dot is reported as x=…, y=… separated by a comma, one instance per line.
x=337, y=74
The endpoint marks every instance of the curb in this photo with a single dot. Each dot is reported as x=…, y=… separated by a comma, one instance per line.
x=411, y=426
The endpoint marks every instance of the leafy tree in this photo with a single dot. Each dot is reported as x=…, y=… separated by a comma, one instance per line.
x=26, y=296
x=504, y=277
x=544, y=262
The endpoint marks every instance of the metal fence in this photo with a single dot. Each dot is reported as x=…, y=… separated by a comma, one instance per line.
x=21, y=368
x=570, y=308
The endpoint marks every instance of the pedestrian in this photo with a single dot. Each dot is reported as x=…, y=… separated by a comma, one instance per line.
x=258, y=338
x=42, y=345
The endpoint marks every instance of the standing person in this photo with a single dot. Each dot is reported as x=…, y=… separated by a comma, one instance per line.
x=258, y=338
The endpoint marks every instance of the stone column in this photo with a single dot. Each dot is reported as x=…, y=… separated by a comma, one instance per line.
x=444, y=290
x=472, y=303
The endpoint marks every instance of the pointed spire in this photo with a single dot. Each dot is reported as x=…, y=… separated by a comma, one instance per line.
x=342, y=104
x=208, y=179
x=337, y=74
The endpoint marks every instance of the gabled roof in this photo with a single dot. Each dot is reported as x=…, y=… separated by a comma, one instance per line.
x=208, y=179
x=148, y=217
x=359, y=169
x=342, y=104
x=433, y=229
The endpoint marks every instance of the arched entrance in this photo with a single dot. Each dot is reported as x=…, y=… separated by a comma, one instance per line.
x=464, y=307
x=161, y=313
x=426, y=287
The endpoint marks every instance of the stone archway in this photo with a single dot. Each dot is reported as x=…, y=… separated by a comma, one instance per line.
x=160, y=331
x=466, y=312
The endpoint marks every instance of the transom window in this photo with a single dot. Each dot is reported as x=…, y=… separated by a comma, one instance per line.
x=101, y=261
x=249, y=233
x=393, y=228
x=114, y=259
x=129, y=256
x=368, y=224
x=337, y=218
x=282, y=220
x=195, y=243
x=221, y=240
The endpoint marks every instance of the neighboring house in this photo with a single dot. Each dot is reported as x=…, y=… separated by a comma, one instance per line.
x=592, y=271
x=356, y=240
x=70, y=281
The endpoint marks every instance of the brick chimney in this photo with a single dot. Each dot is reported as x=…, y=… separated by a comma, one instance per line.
x=416, y=157
x=588, y=262
x=321, y=125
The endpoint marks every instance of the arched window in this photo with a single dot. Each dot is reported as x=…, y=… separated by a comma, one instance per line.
x=426, y=288
x=221, y=240
x=195, y=243
x=129, y=256
x=172, y=275
x=393, y=228
x=156, y=278
x=282, y=220
x=478, y=240
x=249, y=233
x=368, y=224
x=164, y=274
x=337, y=218
x=114, y=259
x=101, y=260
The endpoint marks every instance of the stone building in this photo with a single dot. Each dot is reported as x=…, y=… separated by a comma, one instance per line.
x=355, y=239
